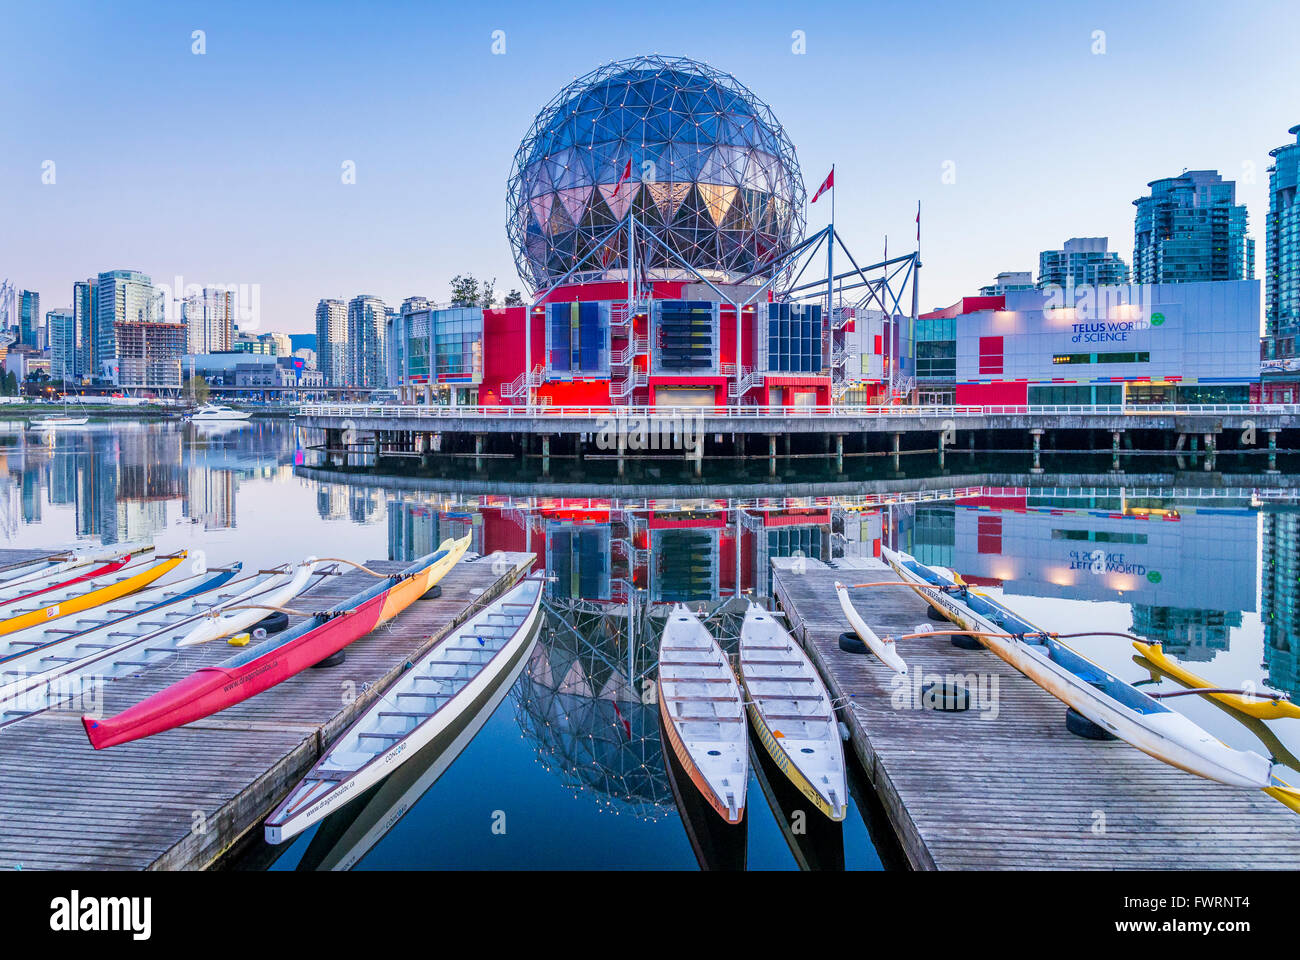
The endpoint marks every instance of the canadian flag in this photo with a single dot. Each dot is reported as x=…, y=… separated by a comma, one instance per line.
x=627, y=172
x=826, y=185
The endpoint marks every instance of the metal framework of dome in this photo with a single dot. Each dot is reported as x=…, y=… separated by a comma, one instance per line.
x=713, y=174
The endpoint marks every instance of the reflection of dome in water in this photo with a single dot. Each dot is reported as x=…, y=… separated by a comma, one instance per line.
x=591, y=728
x=713, y=174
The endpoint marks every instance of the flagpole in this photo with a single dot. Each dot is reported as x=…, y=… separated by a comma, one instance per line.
x=916, y=280
x=830, y=257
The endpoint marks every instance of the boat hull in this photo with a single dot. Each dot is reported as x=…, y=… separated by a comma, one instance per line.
x=689, y=657
x=27, y=646
x=399, y=792
x=46, y=586
x=821, y=739
x=212, y=689
x=443, y=727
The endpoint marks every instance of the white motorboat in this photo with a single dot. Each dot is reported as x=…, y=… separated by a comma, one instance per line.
x=218, y=413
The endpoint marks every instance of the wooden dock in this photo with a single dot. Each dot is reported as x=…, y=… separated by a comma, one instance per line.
x=182, y=799
x=17, y=556
x=1017, y=791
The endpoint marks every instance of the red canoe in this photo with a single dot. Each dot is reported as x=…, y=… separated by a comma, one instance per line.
x=260, y=667
x=111, y=567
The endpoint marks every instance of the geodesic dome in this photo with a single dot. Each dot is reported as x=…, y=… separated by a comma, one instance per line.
x=713, y=175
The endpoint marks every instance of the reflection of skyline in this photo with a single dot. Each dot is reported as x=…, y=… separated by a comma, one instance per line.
x=120, y=479
x=1280, y=598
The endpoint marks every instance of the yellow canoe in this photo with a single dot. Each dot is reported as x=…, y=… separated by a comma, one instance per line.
x=93, y=593
x=1250, y=706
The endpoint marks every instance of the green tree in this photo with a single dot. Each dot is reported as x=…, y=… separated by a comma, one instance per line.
x=467, y=291
x=514, y=299
x=464, y=290
x=11, y=384
x=198, y=389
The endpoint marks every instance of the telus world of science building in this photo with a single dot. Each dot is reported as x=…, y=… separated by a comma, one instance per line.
x=1143, y=343
x=684, y=168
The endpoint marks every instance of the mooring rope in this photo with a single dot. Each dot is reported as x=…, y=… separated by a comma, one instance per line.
x=269, y=606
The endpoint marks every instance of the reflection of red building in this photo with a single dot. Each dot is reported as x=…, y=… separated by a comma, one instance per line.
x=595, y=548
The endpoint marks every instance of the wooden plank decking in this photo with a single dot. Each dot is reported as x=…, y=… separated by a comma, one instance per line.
x=180, y=799
x=1017, y=791
x=16, y=556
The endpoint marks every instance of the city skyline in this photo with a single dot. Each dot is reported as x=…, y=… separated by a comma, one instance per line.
x=425, y=205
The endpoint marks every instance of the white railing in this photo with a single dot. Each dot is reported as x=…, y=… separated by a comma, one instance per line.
x=620, y=389
x=623, y=358
x=748, y=380
x=421, y=411
x=520, y=384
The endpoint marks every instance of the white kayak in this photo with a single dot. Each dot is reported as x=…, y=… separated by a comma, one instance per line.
x=50, y=567
x=885, y=648
x=74, y=667
x=258, y=604
x=429, y=703
x=703, y=713
x=791, y=711
x=1086, y=687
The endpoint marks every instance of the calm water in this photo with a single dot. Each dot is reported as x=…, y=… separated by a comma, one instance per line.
x=571, y=761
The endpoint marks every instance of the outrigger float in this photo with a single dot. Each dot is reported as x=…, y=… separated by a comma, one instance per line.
x=1114, y=705
x=1261, y=706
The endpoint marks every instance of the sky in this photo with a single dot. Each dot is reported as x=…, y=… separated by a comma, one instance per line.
x=1015, y=125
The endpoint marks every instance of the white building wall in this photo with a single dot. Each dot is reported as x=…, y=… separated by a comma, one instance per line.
x=1199, y=332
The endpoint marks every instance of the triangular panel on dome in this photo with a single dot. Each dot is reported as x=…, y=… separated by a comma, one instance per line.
x=737, y=217
x=619, y=198
x=574, y=201
x=542, y=210
x=668, y=197
x=575, y=682
x=718, y=199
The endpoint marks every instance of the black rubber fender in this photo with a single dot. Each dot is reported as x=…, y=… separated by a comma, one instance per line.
x=1081, y=726
x=850, y=643
x=333, y=660
x=274, y=623
x=946, y=697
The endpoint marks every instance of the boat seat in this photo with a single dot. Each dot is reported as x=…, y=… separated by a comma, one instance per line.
x=794, y=679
